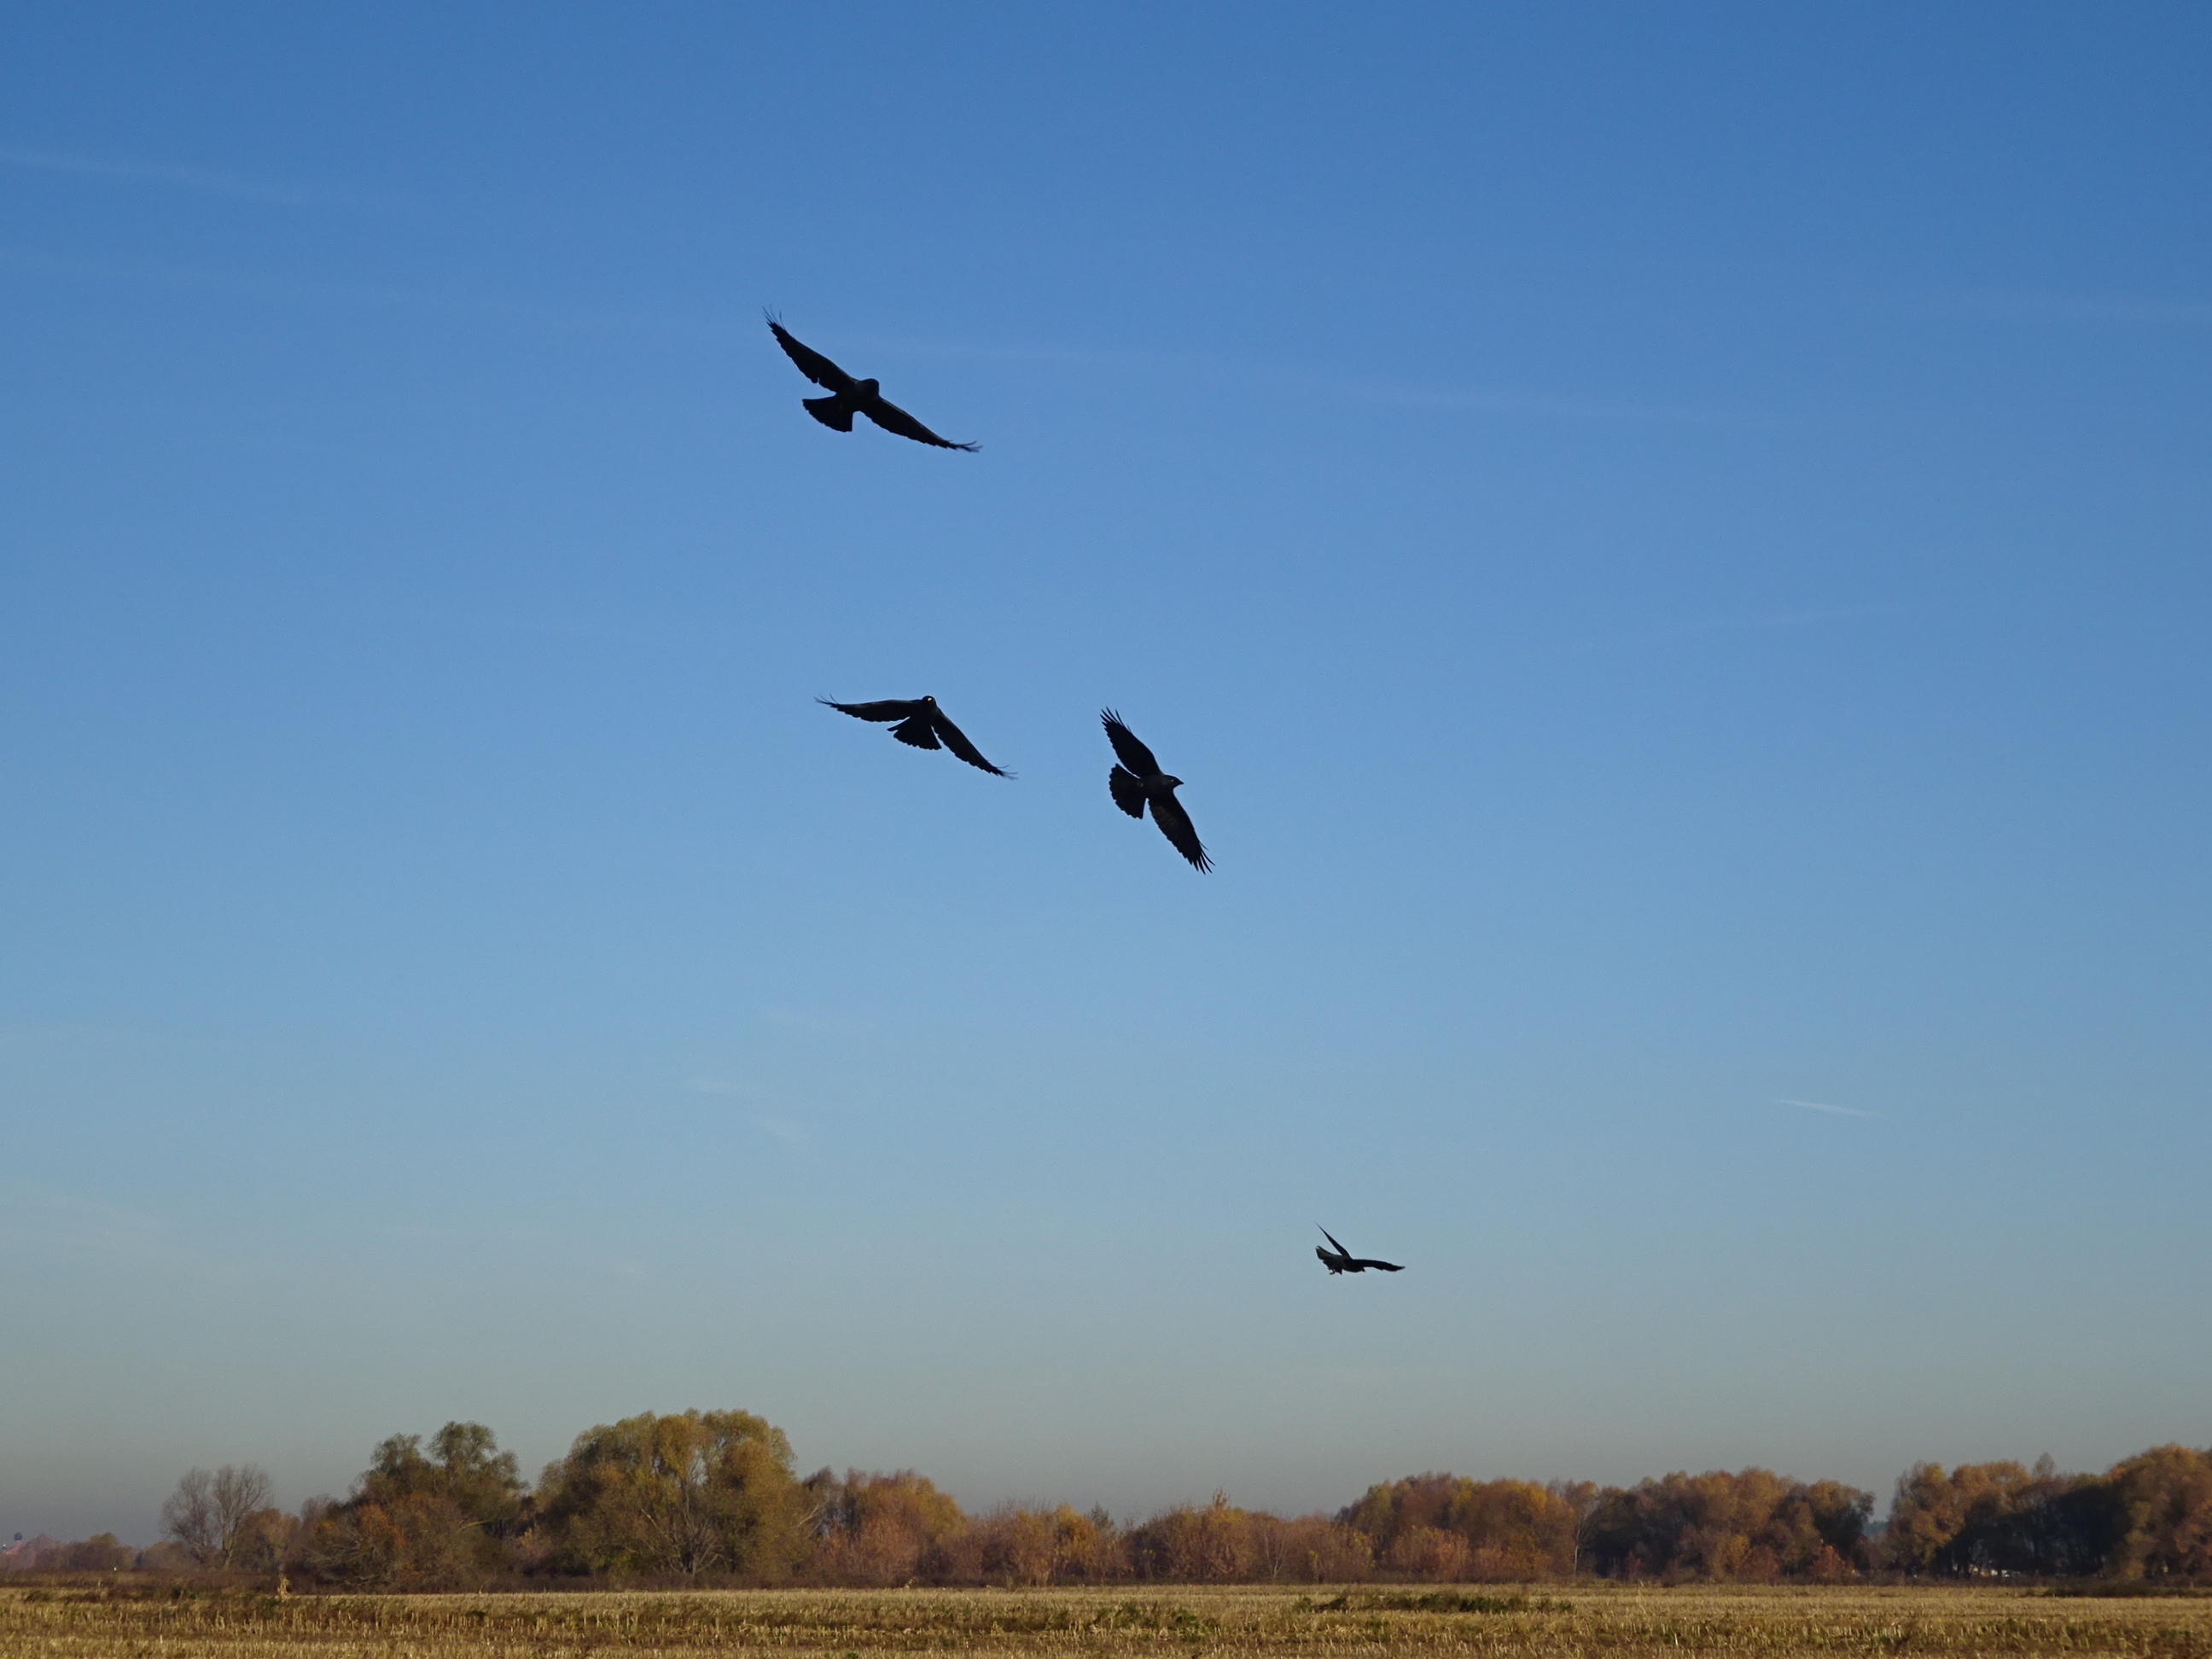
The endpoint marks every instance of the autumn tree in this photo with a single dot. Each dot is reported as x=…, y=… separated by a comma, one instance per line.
x=1193, y=1545
x=418, y=1520
x=1274, y=1548
x=1017, y=1547
x=1752, y=1525
x=1514, y=1529
x=2000, y=1517
x=101, y=1553
x=1579, y=1499
x=188, y=1518
x=1306, y=1548
x=687, y=1494
x=1926, y=1514
x=1086, y=1548
x=208, y=1514
x=2161, y=1510
x=265, y=1540
x=876, y=1529
x=1434, y=1553
x=1506, y=1529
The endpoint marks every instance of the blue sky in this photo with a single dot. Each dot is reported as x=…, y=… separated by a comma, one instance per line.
x=1669, y=546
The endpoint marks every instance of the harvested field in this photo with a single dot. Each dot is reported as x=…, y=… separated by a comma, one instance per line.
x=1163, y=1622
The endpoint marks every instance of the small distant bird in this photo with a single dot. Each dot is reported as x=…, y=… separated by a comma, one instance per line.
x=1138, y=780
x=848, y=397
x=1345, y=1262
x=921, y=723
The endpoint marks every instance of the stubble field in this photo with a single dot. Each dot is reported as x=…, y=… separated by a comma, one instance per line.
x=87, y=1623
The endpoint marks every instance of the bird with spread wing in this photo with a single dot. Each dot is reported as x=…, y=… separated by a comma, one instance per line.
x=921, y=723
x=1343, y=1261
x=848, y=397
x=1139, y=781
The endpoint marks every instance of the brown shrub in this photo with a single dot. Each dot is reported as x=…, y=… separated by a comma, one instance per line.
x=1429, y=1553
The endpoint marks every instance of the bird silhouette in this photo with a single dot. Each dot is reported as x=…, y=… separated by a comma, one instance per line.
x=848, y=397
x=1345, y=1262
x=1138, y=780
x=921, y=723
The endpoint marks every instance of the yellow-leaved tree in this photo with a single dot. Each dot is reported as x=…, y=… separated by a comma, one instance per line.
x=687, y=1494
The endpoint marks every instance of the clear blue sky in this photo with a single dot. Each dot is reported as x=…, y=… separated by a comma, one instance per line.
x=1669, y=545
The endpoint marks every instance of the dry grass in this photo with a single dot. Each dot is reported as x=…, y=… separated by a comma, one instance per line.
x=64, y=1623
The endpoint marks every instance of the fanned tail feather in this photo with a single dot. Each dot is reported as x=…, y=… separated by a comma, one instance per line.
x=1128, y=794
x=916, y=730
x=836, y=413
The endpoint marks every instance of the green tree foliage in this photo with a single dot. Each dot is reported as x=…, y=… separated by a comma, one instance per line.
x=684, y=1495
x=446, y=1518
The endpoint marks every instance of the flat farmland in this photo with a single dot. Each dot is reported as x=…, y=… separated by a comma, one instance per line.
x=66, y=1622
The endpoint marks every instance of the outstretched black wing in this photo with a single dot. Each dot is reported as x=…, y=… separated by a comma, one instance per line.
x=957, y=741
x=892, y=709
x=1175, y=824
x=1331, y=1237
x=890, y=416
x=1387, y=1266
x=1135, y=756
x=812, y=363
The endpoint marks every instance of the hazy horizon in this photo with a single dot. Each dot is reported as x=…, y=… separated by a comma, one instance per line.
x=1670, y=548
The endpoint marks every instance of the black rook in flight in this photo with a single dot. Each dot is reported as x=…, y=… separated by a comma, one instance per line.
x=848, y=397
x=1343, y=1261
x=1138, y=780
x=921, y=723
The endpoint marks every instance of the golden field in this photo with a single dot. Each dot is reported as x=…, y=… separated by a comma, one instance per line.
x=60, y=1622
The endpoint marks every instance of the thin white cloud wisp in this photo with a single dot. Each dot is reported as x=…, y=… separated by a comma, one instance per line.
x=1823, y=1106
x=147, y=173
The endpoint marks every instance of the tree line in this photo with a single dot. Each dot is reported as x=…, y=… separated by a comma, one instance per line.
x=713, y=1498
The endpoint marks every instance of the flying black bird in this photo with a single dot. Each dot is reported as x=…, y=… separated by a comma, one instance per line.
x=1138, y=780
x=848, y=397
x=921, y=723
x=1345, y=1262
